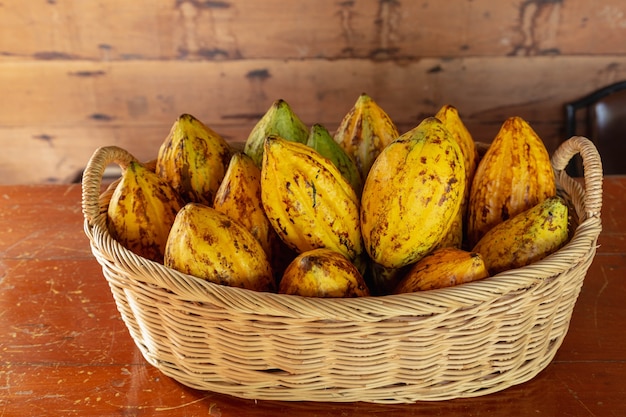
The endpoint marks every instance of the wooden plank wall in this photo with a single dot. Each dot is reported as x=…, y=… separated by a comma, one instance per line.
x=76, y=75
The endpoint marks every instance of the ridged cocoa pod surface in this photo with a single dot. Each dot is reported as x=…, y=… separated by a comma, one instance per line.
x=141, y=211
x=365, y=131
x=449, y=116
x=526, y=237
x=193, y=159
x=210, y=245
x=239, y=197
x=412, y=195
x=514, y=174
x=308, y=201
x=444, y=267
x=323, y=273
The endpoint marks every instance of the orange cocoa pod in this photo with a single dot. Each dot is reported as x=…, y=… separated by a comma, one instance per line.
x=514, y=175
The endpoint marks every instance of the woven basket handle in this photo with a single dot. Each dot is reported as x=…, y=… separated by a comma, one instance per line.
x=592, y=166
x=92, y=177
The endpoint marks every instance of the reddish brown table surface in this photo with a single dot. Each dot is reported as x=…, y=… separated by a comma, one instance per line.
x=64, y=350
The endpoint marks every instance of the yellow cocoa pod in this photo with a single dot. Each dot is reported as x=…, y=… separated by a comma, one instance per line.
x=308, y=201
x=526, y=237
x=451, y=120
x=141, y=211
x=193, y=159
x=444, y=267
x=239, y=197
x=449, y=116
x=323, y=273
x=364, y=132
x=210, y=245
x=454, y=236
x=412, y=195
x=514, y=174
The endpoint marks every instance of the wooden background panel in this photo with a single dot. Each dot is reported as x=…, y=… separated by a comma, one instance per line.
x=76, y=75
x=232, y=92
x=60, y=155
x=82, y=104
x=218, y=30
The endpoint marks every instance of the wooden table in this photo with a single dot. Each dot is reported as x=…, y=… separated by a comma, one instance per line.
x=65, y=351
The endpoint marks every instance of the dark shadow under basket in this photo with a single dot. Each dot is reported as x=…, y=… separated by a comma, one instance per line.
x=463, y=341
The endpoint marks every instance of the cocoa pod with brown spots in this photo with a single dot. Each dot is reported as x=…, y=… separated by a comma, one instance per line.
x=412, y=195
x=308, y=201
x=444, y=267
x=141, y=211
x=323, y=273
x=210, y=245
x=449, y=116
x=514, y=174
x=526, y=237
x=193, y=159
x=365, y=130
x=239, y=197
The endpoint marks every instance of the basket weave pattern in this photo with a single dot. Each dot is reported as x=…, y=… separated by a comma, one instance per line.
x=462, y=341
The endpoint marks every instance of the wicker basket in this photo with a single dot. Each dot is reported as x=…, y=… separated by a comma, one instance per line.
x=463, y=341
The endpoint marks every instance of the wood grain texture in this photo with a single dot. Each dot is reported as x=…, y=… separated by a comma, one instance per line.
x=368, y=29
x=77, y=75
x=65, y=351
x=84, y=105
